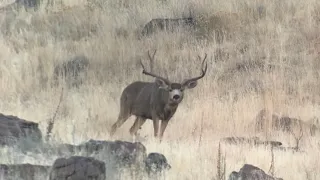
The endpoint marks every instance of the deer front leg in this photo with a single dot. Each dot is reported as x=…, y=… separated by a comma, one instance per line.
x=156, y=127
x=164, y=124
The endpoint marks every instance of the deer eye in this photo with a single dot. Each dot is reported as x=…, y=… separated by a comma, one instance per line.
x=170, y=90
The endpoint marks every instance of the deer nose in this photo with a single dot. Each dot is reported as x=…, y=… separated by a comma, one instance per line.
x=176, y=97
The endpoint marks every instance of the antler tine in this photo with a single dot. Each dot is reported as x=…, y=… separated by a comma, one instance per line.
x=151, y=59
x=154, y=53
x=205, y=57
x=203, y=71
x=142, y=64
x=150, y=73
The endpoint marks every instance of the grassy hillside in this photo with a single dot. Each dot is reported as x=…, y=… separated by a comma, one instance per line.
x=269, y=57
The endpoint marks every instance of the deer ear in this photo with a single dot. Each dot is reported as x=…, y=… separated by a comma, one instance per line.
x=192, y=84
x=161, y=83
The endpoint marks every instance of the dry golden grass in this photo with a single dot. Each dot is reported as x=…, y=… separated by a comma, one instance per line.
x=268, y=61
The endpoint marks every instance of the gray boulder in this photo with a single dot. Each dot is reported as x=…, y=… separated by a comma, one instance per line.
x=23, y=171
x=124, y=153
x=14, y=130
x=78, y=168
x=116, y=153
x=120, y=157
x=156, y=163
x=250, y=172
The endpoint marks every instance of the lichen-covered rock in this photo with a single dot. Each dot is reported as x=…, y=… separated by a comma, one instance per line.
x=156, y=163
x=250, y=140
x=78, y=168
x=121, y=152
x=250, y=172
x=14, y=129
x=23, y=171
x=120, y=157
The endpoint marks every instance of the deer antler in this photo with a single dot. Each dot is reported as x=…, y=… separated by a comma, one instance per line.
x=297, y=138
x=203, y=71
x=151, y=66
x=151, y=58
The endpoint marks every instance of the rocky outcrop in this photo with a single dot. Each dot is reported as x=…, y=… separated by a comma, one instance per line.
x=118, y=156
x=94, y=158
x=250, y=172
x=167, y=24
x=23, y=171
x=250, y=140
x=121, y=153
x=78, y=168
x=14, y=130
x=156, y=163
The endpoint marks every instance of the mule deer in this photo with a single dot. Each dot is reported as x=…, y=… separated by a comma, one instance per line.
x=156, y=101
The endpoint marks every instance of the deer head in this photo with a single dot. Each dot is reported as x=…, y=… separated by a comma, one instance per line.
x=174, y=91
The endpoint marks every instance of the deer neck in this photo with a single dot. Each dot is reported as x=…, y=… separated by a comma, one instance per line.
x=169, y=106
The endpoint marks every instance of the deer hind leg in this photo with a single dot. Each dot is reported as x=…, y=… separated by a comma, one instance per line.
x=123, y=116
x=136, y=125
